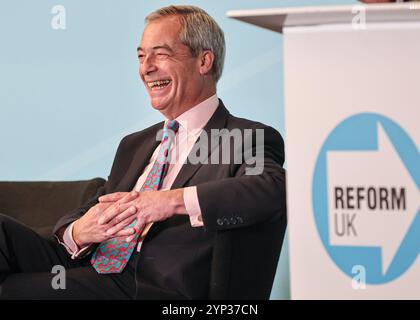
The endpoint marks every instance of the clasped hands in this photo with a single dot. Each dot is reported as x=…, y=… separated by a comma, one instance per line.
x=115, y=211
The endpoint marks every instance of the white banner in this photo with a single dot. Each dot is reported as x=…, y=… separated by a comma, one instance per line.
x=352, y=104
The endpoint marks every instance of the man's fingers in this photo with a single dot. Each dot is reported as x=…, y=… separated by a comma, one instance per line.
x=121, y=225
x=112, y=197
x=129, y=212
x=122, y=197
x=129, y=238
x=130, y=196
x=113, y=211
x=125, y=232
x=138, y=229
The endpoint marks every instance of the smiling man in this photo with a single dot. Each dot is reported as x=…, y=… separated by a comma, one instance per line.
x=150, y=232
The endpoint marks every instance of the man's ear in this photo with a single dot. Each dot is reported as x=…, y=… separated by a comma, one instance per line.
x=206, y=61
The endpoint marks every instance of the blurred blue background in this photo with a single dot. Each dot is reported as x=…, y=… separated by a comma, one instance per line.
x=67, y=97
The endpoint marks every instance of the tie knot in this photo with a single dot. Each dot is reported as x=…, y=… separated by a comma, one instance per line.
x=172, y=125
x=170, y=129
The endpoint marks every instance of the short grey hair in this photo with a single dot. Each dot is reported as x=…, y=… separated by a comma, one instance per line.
x=199, y=31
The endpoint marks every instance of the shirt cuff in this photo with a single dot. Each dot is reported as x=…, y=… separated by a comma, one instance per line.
x=193, y=206
x=71, y=246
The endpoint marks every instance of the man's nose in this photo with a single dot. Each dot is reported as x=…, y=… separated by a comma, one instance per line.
x=148, y=65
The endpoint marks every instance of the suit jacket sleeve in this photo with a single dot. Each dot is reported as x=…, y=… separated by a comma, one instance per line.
x=243, y=200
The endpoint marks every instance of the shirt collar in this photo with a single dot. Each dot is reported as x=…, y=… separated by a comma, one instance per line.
x=195, y=119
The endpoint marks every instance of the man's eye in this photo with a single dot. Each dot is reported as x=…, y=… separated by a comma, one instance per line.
x=162, y=55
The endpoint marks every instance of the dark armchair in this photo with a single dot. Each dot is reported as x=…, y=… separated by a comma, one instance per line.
x=237, y=273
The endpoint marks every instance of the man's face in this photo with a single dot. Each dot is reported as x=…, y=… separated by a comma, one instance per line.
x=169, y=71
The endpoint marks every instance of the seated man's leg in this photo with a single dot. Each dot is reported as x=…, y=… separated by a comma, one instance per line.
x=23, y=250
x=27, y=260
x=78, y=283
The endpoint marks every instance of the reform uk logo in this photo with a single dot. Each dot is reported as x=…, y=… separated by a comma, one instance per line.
x=366, y=199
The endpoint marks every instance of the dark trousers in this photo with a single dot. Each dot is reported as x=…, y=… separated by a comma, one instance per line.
x=27, y=261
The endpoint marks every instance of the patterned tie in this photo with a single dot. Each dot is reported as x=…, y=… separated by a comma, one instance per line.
x=112, y=255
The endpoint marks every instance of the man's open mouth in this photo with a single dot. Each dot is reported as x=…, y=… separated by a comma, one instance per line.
x=158, y=84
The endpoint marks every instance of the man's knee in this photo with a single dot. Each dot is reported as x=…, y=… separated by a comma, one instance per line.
x=26, y=286
x=5, y=219
x=7, y=222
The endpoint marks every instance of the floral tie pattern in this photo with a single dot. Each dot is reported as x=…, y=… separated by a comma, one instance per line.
x=113, y=254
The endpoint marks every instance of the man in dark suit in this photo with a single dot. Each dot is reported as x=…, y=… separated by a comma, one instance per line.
x=204, y=185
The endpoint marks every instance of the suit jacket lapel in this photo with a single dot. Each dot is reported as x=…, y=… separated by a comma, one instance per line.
x=141, y=158
x=217, y=121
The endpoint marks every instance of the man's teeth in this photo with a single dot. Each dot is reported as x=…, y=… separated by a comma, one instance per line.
x=158, y=84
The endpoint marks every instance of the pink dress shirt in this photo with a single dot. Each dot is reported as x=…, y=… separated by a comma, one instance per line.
x=191, y=124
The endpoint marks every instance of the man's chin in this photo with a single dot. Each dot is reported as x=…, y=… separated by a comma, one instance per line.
x=157, y=104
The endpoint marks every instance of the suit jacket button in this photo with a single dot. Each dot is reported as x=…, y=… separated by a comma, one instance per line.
x=233, y=220
x=226, y=221
x=219, y=222
x=240, y=220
